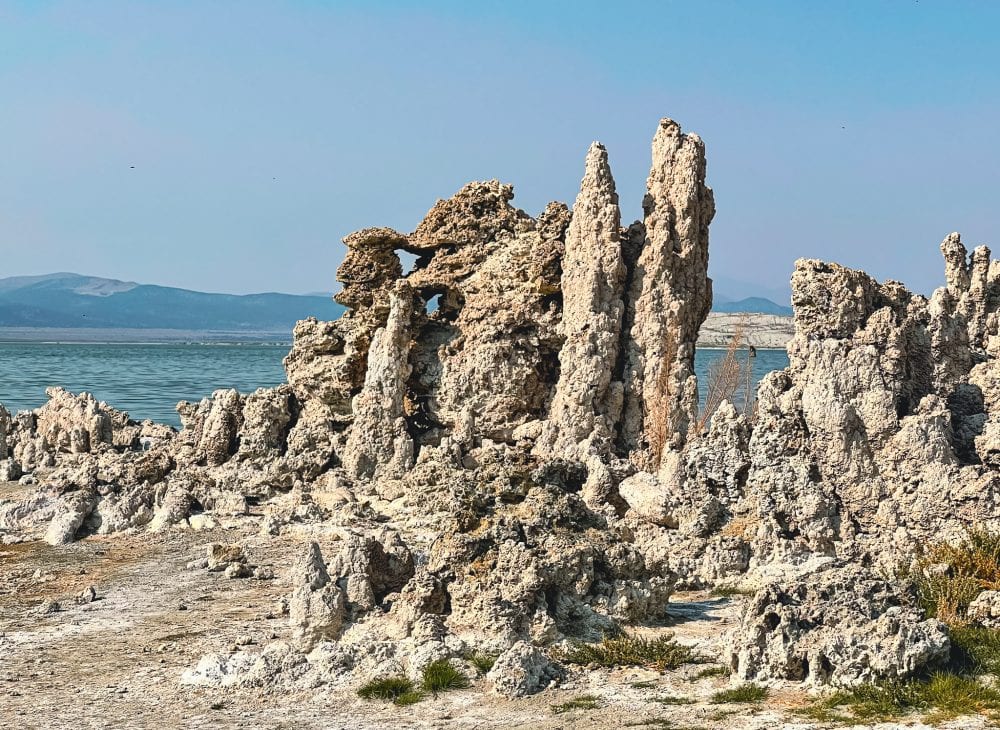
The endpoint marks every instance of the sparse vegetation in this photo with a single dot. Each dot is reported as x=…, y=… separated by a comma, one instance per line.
x=661, y=418
x=398, y=690
x=409, y=698
x=717, y=671
x=583, y=702
x=746, y=694
x=945, y=695
x=627, y=650
x=976, y=649
x=822, y=712
x=441, y=676
x=662, y=722
x=482, y=661
x=948, y=577
x=726, y=376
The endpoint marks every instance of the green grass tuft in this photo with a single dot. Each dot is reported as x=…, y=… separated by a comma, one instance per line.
x=976, y=649
x=627, y=650
x=399, y=690
x=441, y=676
x=717, y=671
x=944, y=695
x=746, y=694
x=583, y=702
x=409, y=698
x=819, y=712
x=482, y=661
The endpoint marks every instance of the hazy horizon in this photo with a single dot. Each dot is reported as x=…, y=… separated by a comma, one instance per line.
x=229, y=147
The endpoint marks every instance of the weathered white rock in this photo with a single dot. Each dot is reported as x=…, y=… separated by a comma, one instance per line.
x=69, y=515
x=671, y=293
x=841, y=626
x=522, y=670
x=480, y=433
x=367, y=569
x=651, y=499
x=985, y=609
x=316, y=606
x=587, y=402
x=379, y=444
x=277, y=663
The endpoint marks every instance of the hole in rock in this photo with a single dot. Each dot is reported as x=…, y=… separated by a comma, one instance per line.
x=411, y=262
x=803, y=671
x=825, y=667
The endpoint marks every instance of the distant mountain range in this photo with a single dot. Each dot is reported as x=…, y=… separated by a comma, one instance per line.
x=72, y=301
x=753, y=305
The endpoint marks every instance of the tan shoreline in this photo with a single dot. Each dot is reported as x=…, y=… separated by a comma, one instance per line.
x=762, y=330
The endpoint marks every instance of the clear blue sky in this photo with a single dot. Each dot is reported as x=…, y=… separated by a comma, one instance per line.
x=262, y=132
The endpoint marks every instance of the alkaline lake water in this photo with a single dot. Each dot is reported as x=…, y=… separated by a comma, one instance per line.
x=148, y=380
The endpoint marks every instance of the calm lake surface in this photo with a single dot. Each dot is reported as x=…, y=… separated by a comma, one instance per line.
x=148, y=380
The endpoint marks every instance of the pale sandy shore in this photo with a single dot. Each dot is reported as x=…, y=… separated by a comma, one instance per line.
x=762, y=330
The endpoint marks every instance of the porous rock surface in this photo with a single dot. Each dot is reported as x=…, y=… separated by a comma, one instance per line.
x=839, y=626
x=522, y=670
x=469, y=456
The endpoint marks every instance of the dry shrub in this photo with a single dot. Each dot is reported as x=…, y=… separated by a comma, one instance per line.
x=727, y=375
x=661, y=418
x=948, y=577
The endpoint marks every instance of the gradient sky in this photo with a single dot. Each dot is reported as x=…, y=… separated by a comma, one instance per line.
x=261, y=133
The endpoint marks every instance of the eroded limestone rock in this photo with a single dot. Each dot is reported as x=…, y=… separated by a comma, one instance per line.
x=670, y=300
x=317, y=606
x=587, y=403
x=522, y=670
x=842, y=627
x=500, y=441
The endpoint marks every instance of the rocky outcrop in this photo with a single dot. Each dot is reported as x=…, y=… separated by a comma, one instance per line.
x=504, y=446
x=486, y=359
x=671, y=297
x=985, y=609
x=522, y=670
x=5, y=424
x=587, y=403
x=67, y=424
x=841, y=626
x=379, y=444
x=69, y=515
x=317, y=606
x=367, y=569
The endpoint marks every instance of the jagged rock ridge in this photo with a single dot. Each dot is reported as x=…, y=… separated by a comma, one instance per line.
x=523, y=463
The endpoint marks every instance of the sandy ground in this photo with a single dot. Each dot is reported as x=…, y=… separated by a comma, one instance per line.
x=116, y=662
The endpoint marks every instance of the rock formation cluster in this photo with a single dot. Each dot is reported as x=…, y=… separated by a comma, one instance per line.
x=505, y=444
